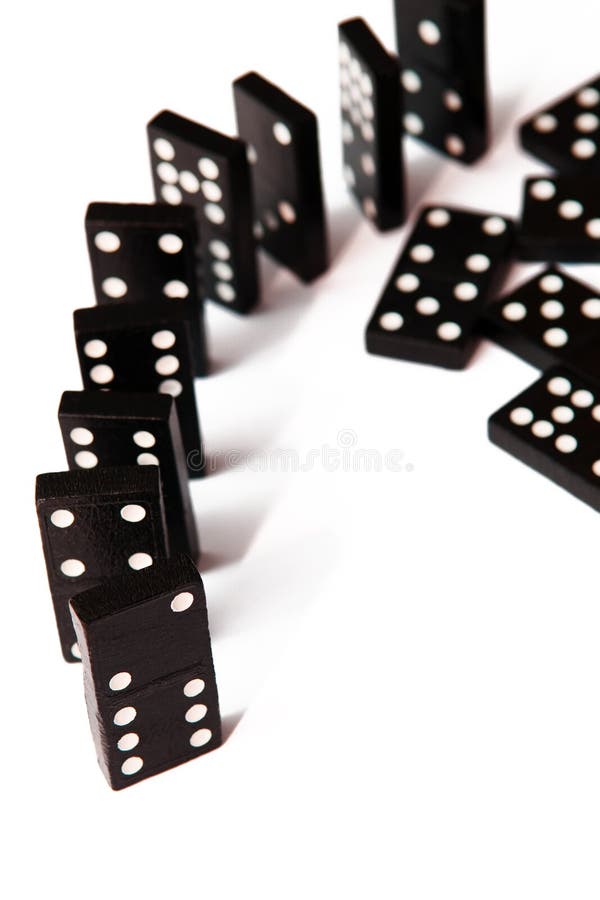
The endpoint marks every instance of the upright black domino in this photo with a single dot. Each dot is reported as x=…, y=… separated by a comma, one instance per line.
x=561, y=219
x=110, y=428
x=96, y=524
x=209, y=171
x=143, y=252
x=143, y=347
x=431, y=307
x=442, y=49
x=566, y=133
x=371, y=124
x=554, y=427
x=149, y=679
x=283, y=148
x=551, y=319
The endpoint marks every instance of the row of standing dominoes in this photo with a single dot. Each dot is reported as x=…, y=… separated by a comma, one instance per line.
x=139, y=351
x=118, y=530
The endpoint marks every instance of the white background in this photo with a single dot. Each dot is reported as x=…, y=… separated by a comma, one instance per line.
x=408, y=662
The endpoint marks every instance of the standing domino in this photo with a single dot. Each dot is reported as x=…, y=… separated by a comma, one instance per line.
x=110, y=428
x=209, y=171
x=142, y=347
x=149, y=679
x=141, y=252
x=371, y=124
x=96, y=524
x=442, y=50
x=283, y=148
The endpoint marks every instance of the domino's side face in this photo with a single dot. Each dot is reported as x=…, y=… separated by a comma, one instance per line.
x=94, y=525
x=371, y=124
x=142, y=252
x=566, y=133
x=283, y=148
x=209, y=171
x=551, y=319
x=143, y=347
x=149, y=678
x=561, y=219
x=431, y=306
x=112, y=428
x=554, y=427
x=442, y=49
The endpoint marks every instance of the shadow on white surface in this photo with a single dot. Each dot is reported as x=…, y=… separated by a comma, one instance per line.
x=422, y=173
x=344, y=221
x=284, y=302
x=230, y=723
x=504, y=113
x=226, y=540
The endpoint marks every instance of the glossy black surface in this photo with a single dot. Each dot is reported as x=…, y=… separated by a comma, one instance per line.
x=133, y=429
x=149, y=677
x=94, y=525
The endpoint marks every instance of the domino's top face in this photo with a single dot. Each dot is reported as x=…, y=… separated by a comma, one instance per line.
x=548, y=320
x=121, y=620
x=202, y=168
x=100, y=523
x=446, y=35
x=561, y=219
x=554, y=427
x=566, y=133
x=141, y=251
x=458, y=245
x=430, y=308
x=283, y=148
x=371, y=124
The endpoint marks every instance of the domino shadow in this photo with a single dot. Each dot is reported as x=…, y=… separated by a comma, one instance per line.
x=227, y=535
x=344, y=222
x=274, y=586
x=234, y=340
x=230, y=723
x=422, y=173
x=504, y=117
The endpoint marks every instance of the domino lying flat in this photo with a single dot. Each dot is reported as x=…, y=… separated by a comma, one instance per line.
x=442, y=50
x=431, y=306
x=371, y=124
x=566, y=134
x=554, y=427
x=209, y=171
x=149, y=679
x=550, y=319
x=96, y=524
x=561, y=219
x=143, y=347
x=114, y=429
x=283, y=149
x=144, y=252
